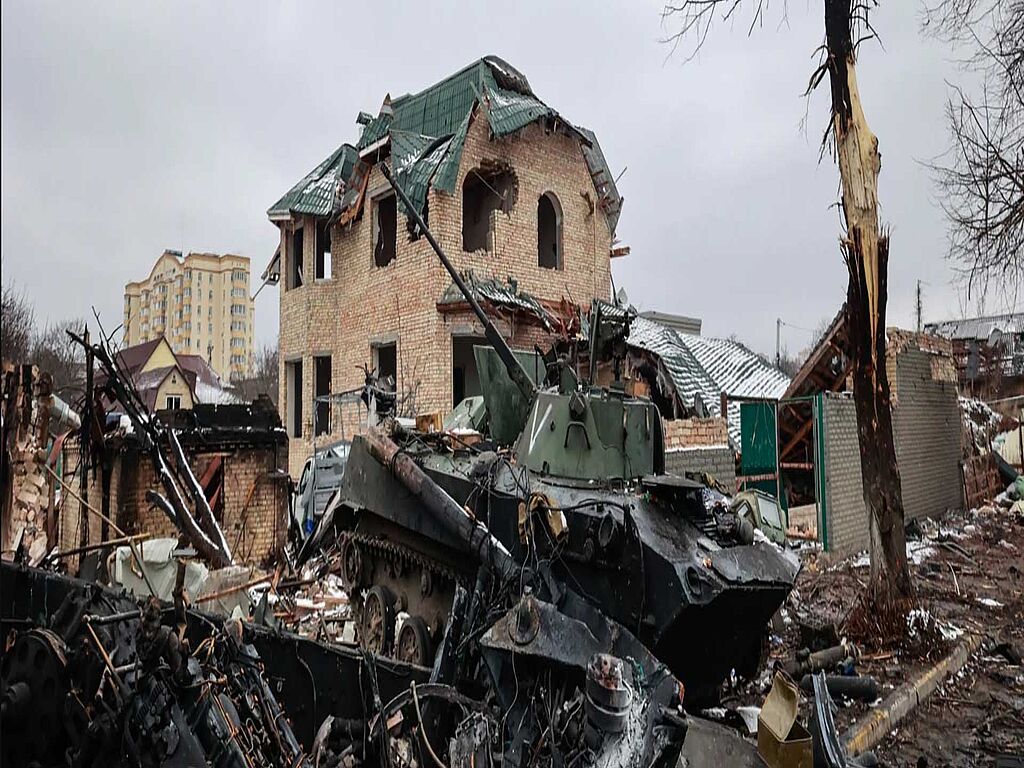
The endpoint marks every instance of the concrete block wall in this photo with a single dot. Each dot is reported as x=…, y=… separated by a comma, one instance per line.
x=847, y=522
x=927, y=430
x=717, y=460
x=927, y=437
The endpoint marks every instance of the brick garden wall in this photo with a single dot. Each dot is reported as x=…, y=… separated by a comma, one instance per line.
x=256, y=533
x=700, y=445
x=362, y=304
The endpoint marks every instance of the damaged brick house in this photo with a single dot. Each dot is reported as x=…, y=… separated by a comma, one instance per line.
x=236, y=452
x=518, y=197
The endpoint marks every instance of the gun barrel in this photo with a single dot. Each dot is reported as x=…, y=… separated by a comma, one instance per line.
x=515, y=369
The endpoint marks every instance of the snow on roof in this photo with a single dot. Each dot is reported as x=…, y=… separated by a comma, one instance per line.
x=979, y=328
x=704, y=369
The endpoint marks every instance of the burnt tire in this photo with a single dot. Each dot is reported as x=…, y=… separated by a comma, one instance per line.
x=377, y=622
x=414, y=643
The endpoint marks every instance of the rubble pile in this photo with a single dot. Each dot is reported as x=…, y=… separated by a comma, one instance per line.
x=968, y=577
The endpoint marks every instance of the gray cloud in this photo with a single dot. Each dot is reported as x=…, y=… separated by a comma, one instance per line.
x=131, y=127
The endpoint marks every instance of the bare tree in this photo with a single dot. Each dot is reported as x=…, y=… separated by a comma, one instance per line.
x=264, y=377
x=981, y=176
x=56, y=352
x=865, y=249
x=16, y=325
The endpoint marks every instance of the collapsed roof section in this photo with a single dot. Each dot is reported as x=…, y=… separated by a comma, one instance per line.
x=698, y=370
x=315, y=194
x=426, y=132
x=498, y=296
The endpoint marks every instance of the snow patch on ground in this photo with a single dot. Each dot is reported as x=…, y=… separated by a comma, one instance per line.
x=917, y=553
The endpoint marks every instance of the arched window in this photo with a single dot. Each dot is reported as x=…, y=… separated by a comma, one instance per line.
x=549, y=231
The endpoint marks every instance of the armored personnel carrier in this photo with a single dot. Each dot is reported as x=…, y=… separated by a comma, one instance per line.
x=580, y=493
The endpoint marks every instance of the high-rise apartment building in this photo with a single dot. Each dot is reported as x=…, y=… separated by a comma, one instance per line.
x=201, y=304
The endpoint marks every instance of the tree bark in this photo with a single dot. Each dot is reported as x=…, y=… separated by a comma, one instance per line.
x=866, y=251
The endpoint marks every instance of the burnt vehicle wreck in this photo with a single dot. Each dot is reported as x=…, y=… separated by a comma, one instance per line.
x=526, y=671
x=540, y=595
x=571, y=484
x=92, y=677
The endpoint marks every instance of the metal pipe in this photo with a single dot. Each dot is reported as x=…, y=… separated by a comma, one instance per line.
x=446, y=510
x=101, y=545
x=515, y=369
x=62, y=416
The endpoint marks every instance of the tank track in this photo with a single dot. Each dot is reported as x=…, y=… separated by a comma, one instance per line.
x=397, y=554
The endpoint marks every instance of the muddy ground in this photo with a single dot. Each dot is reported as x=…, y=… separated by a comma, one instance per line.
x=969, y=577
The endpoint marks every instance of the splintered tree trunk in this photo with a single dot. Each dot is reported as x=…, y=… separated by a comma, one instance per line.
x=866, y=251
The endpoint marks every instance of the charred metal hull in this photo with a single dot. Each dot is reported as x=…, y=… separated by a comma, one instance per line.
x=648, y=561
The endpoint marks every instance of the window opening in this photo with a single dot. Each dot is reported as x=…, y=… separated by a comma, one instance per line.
x=485, y=191
x=385, y=230
x=293, y=397
x=323, y=251
x=549, y=232
x=295, y=260
x=322, y=388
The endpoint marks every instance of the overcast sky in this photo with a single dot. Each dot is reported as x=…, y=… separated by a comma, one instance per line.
x=133, y=127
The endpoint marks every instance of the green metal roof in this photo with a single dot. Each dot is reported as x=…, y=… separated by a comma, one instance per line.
x=315, y=194
x=427, y=131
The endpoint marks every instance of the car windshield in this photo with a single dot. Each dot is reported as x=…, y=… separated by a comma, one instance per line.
x=769, y=510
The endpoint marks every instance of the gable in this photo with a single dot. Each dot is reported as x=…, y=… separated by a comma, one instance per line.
x=162, y=356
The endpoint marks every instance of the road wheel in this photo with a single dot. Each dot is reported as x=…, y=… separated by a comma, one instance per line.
x=351, y=565
x=377, y=629
x=414, y=644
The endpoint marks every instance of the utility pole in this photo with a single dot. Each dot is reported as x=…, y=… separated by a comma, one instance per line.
x=778, y=342
x=918, y=306
x=83, y=445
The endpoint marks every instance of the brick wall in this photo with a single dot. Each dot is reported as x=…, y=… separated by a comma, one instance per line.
x=689, y=433
x=256, y=533
x=363, y=304
x=717, y=460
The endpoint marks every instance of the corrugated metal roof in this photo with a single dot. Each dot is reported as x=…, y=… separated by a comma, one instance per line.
x=704, y=368
x=979, y=328
x=442, y=112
